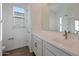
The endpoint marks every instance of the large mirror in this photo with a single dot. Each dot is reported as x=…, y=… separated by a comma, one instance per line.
x=64, y=17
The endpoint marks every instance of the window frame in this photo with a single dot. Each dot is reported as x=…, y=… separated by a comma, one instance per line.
x=77, y=25
x=61, y=28
x=18, y=16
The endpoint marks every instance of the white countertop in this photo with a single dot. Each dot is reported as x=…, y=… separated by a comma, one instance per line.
x=58, y=40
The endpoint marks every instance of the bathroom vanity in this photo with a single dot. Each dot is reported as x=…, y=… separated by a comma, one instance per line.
x=44, y=44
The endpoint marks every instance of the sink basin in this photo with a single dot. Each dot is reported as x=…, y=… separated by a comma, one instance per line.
x=72, y=44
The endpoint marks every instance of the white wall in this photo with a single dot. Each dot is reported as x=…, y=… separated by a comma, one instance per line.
x=36, y=16
x=19, y=35
x=39, y=14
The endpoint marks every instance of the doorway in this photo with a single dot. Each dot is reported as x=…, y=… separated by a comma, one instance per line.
x=15, y=26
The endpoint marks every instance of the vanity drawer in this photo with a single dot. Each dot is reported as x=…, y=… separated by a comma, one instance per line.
x=55, y=50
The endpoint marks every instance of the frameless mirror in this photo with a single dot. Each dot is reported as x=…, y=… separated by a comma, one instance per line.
x=63, y=17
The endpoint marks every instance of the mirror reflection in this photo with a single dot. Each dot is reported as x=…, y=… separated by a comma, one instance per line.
x=64, y=17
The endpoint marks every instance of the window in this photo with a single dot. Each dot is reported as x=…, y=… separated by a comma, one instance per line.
x=60, y=24
x=18, y=17
x=76, y=25
x=18, y=12
x=18, y=9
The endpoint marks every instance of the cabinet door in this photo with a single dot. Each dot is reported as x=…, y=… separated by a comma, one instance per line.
x=37, y=46
x=46, y=52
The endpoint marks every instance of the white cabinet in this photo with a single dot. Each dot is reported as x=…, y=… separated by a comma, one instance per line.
x=46, y=52
x=44, y=48
x=53, y=50
x=37, y=45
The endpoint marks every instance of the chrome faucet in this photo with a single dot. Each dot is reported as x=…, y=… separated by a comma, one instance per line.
x=65, y=34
